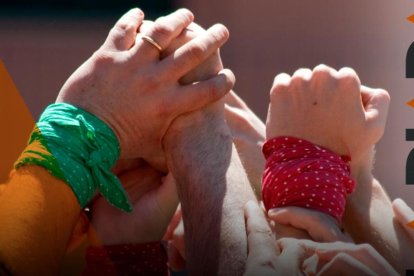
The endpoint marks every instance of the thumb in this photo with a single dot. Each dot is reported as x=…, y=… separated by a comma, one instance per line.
x=404, y=215
x=167, y=196
x=376, y=103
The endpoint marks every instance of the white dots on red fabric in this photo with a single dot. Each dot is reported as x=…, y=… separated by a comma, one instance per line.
x=297, y=169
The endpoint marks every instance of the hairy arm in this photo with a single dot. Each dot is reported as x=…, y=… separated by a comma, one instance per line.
x=369, y=218
x=213, y=189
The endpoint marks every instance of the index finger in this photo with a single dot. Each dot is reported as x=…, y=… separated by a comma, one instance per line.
x=261, y=243
x=321, y=227
x=194, y=52
x=162, y=31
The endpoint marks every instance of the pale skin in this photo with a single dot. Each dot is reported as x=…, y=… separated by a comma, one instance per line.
x=248, y=133
x=224, y=203
x=141, y=124
x=352, y=119
x=212, y=189
x=154, y=199
x=144, y=112
x=404, y=215
x=135, y=224
x=290, y=256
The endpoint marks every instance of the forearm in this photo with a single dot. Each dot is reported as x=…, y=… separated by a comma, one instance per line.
x=369, y=218
x=37, y=214
x=234, y=241
x=213, y=189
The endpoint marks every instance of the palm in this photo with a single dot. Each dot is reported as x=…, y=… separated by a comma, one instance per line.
x=154, y=201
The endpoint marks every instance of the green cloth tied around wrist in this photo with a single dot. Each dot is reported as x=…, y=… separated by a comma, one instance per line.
x=79, y=148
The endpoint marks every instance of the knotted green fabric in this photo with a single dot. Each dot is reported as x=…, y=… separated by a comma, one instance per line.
x=80, y=149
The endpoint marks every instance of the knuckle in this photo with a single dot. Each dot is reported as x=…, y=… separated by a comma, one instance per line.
x=301, y=72
x=365, y=248
x=383, y=95
x=278, y=89
x=161, y=30
x=341, y=258
x=195, y=52
x=322, y=68
x=322, y=71
x=348, y=72
x=301, y=76
x=104, y=58
x=152, y=82
x=349, y=77
x=213, y=90
x=125, y=27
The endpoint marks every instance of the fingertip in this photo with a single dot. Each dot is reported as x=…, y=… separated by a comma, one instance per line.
x=402, y=210
x=221, y=32
x=136, y=12
x=186, y=13
x=274, y=212
x=145, y=26
x=383, y=95
x=397, y=202
x=230, y=77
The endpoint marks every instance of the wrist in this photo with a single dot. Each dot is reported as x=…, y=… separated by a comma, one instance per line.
x=208, y=120
x=361, y=170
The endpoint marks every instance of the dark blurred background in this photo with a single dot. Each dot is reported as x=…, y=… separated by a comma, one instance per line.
x=43, y=42
x=81, y=7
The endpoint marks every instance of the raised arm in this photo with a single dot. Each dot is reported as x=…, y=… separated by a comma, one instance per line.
x=126, y=86
x=332, y=109
x=212, y=187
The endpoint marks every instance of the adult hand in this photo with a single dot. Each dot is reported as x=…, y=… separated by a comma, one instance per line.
x=329, y=108
x=319, y=226
x=294, y=257
x=404, y=215
x=249, y=133
x=340, y=258
x=154, y=198
x=262, y=251
x=265, y=257
x=127, y=85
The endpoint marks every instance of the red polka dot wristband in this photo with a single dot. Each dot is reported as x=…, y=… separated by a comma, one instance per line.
x=299, y=173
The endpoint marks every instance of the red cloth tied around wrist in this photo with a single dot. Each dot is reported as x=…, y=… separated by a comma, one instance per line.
x=299, y=173
x=127, y=259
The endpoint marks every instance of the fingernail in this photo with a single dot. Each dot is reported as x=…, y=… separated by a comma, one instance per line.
x=274, y=211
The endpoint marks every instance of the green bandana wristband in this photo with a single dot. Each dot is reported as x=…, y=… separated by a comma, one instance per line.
x=79, y=148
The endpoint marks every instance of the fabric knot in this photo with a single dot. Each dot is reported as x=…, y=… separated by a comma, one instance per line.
x=80, y=149
x=95, y=158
